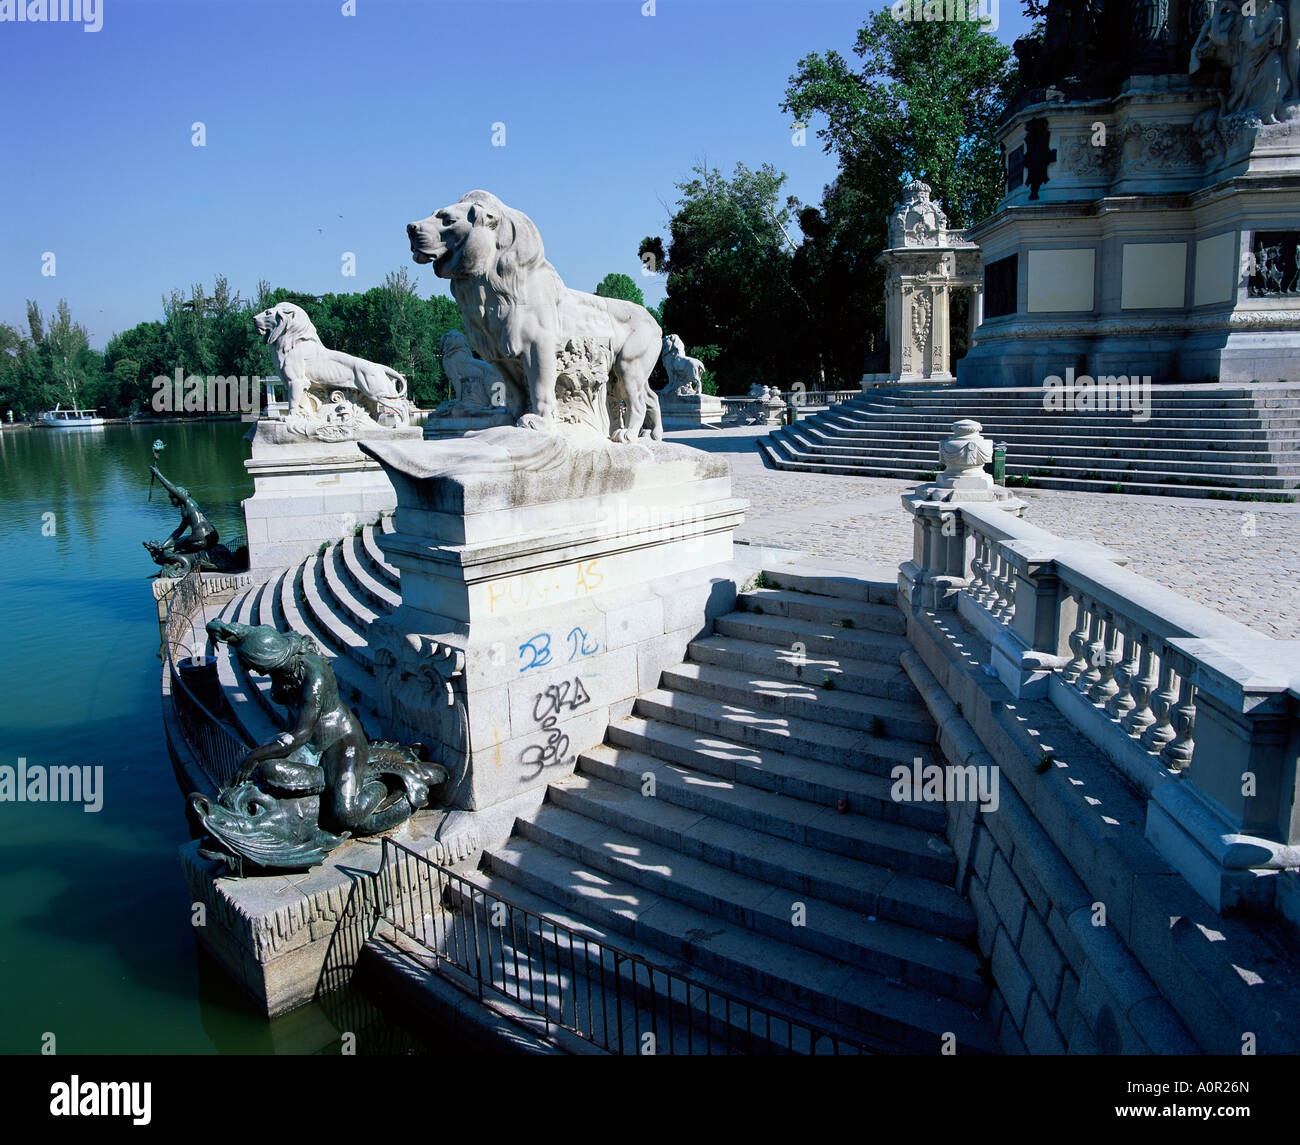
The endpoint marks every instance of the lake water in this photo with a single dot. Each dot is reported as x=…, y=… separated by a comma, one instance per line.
x=96, y=945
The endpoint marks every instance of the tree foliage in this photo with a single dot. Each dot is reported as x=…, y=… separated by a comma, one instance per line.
x=729, y=279
x=615, y=285
x=211, y=332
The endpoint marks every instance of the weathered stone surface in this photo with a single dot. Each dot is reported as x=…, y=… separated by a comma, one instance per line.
x=1012, y=977
x=552, y=580
x=274, y=933
x=1045, y=961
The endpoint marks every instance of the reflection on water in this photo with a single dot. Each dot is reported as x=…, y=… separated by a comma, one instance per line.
x=94, y=915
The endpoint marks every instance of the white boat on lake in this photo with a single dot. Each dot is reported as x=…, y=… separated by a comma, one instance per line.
x=59, y=418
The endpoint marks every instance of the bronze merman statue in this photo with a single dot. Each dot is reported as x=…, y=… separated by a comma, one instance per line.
x=297, y=797
x=179, y=553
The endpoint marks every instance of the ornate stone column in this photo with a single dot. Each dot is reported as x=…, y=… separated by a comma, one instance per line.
x=924, y=264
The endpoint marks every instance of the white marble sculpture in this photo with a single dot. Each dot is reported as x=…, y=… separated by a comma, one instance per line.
x=917, y=219
x=332, y=396
x=521, y=317
x=478, y=387
x=685, y=374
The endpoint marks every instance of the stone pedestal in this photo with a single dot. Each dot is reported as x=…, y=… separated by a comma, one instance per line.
x=1160, y=244
x=308, y=491
x=288, y=938
x=544, y=586
x=690, y=411
x=924, y=264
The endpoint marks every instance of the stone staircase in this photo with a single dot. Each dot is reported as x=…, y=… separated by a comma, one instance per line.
x=333, y=597
x=1213, y=441
x=770, y=861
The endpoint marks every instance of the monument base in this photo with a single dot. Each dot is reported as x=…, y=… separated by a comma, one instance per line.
x=286, y=939
x=306, y=491
x=690, y=411
x=545, y=585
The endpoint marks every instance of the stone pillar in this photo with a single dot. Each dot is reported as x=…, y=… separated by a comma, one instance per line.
x=545, y=585
x=941, y=541
x=940, y=345
x=976, y=316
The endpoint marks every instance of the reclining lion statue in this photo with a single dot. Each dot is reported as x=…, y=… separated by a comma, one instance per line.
x=521, y=317
x=314, y=374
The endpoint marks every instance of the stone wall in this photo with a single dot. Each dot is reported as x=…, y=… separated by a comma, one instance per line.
x=1094, y=943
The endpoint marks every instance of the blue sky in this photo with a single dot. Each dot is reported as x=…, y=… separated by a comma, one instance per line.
x=327, y=133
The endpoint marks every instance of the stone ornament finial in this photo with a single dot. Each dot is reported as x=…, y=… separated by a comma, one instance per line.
x=964, y=456
x=917, y=219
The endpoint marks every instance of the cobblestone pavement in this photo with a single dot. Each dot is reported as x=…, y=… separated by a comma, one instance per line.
x=1243, y=561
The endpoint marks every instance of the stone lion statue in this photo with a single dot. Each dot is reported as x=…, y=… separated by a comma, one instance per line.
x=520, y=316
x=685, y=374
x=478, y=386
x=316, y=376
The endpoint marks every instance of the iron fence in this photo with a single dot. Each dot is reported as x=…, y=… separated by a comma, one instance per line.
x=617, y=1001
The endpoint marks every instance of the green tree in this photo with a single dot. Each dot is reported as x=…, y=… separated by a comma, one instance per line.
x=925, y=102
x=729, y=279
x=615, y=285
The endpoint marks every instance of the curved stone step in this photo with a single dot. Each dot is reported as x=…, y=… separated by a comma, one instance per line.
x=812, y=780
x=378, y=562
x=347, y=604
x=253, y=720
x=373, y=590
x=337, y=629
x=913, y=1018
x=355, y=684
x=823, y=828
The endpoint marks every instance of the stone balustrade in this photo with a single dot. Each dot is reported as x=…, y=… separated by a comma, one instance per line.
x=1197, y=710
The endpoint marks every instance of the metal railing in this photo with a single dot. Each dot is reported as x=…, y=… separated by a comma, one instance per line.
x=617, y=1001
x=218, y=749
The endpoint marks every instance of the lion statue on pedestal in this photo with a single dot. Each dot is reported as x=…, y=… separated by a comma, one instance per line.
x=318, y=378
x=520, y=316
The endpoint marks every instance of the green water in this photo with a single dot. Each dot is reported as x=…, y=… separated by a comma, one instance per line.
x=96, y=945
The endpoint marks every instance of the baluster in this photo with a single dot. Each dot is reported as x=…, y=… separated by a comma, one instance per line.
x=1105, y=686
x=1141, y=716
x=1122, y=702
x=1178, y=752
x=1161, y=730
x=1002, y=583
x=1096, y=650
x=979, y=588
x=1078, y=641
x=1010, y=590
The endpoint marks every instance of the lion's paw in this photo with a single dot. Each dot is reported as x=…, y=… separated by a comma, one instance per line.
x=533, y=421
x=621, y=436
